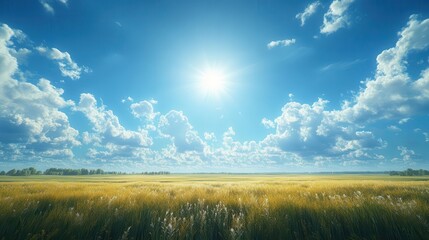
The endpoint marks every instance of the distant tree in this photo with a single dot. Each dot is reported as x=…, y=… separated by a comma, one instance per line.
x=61, y=171
x=156, y=173
x=11, y=172
x=410, y=172
x=32, y=170
x=53, y=171
x=2, y=173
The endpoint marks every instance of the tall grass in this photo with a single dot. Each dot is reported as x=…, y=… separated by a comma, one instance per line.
x=214, y=207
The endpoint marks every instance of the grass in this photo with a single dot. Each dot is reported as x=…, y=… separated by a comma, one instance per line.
x=214, y=207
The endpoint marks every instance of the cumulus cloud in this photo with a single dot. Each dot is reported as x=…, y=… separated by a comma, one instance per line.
x=175, y=125
x=336, y=17
x=308, y=12
x=209, y=136
x=283, y=43
x=267, y=123
x=311, y=131
x=248, y=154
x=9, y=63
x=30, y=118
x=67, y=66
x=144, y=110
x=20, y=54
x=393, y=94
x=107, y=127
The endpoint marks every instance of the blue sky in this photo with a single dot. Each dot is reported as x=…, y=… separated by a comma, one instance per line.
x=211, y=86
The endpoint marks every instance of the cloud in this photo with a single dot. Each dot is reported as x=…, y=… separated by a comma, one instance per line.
x=404, y=120
x=31, y=120
x=393, y=94
x=109, y=141
x=267, y=123
x=20, y=54
x=394, y=128
x=311, y=131
x=48, y=8
x=308, y=12
x=336, y=17
x=144, y=110
x=129, y=99
x=171, y=156
x=426, y=136
x=247, y=154
x=209, y=136
x=230, y=153
x=175, y=125
x=47, y=5
x=406, y=154
x=283, y=43
x=67, y=66
x=341, y=65
x=107, y=127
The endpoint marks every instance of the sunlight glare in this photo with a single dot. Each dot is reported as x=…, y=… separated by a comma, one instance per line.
x=212, y=81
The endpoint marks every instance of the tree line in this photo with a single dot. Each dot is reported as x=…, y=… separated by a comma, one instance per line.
x=70, y=172
x=409, y=172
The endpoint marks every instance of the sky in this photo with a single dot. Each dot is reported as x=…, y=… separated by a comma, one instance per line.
x=215, y=86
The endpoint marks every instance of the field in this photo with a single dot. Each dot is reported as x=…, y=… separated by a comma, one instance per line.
x=215, y=207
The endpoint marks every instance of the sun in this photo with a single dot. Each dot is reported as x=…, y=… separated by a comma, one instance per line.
x=212, y=81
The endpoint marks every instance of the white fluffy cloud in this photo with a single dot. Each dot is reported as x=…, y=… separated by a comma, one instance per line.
x=268, y=123
x=67, y=66
x=9, y=63
x=336, y=17
x=247, y=154
x=283, y=43
x=393, y=94
x=107, y=127
x=209, y=136
x=144, y=110
x=175, y=125
x=308, y=12
x=312, y=131
x=30, y=118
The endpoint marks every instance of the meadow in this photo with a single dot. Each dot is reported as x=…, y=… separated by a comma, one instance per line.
x=212, y=206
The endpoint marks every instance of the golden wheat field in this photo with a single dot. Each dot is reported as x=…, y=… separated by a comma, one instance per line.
x=215, y=207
